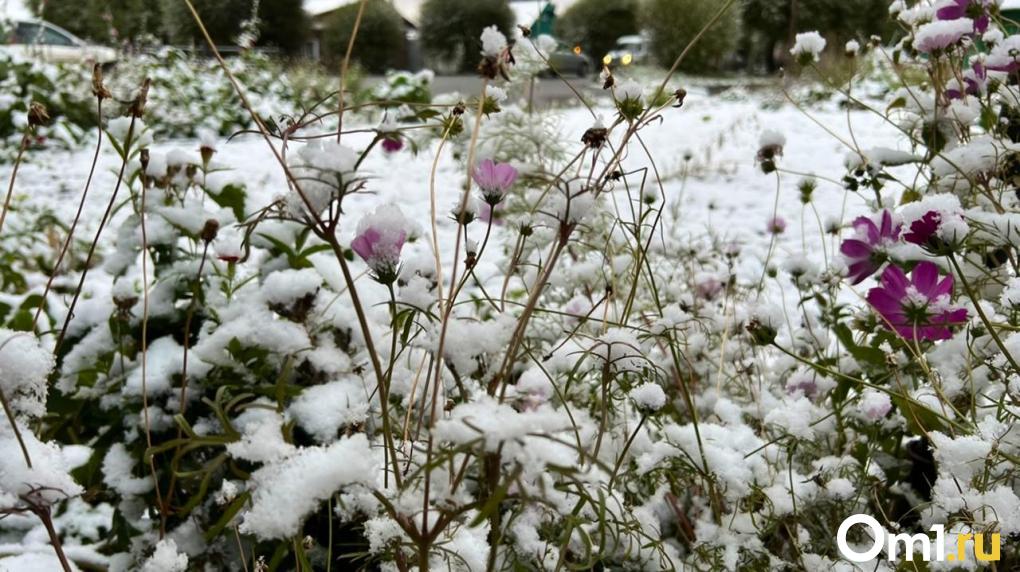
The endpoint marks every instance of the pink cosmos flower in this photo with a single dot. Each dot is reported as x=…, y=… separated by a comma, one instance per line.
x=494, y=179
x=865, y=255
x=976, y=10
x=380, y=248
x=937, y=36
x=917, y=308
x=777, y=225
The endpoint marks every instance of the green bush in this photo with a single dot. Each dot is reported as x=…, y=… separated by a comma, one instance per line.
x=673, y=24
x=596, y=24
x=450, y=29
x=380, y=44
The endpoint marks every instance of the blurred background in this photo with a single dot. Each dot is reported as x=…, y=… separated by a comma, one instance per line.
x=443, y=34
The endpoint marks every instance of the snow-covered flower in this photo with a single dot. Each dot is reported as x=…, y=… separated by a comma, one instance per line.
x=494, y=179
x=865, y=254
x=974, y=81
x=648, y=396
x=976, y=10
x=807, y=47
x=379, y=240
x=935, y=37
x=852, y=48
x=874, y=404
x=493, y=42
x=392, y=144
x=919, y=307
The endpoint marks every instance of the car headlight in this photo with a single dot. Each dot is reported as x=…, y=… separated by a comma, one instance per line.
x=607, y=59
x=626, y=59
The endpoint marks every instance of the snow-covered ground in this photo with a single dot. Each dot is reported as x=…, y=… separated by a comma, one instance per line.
x=713, y=140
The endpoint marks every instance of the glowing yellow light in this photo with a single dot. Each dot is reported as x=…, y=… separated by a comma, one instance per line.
x=608, y=59
x=626, y=59
x=577, y=50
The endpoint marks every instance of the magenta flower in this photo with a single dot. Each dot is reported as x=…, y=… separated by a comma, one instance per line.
x=865, y=255
x=494, y=179
x=392, y=144
x=380, y=245
x=923, y=230
x=777, y=225
x=974, y=81
x=918, y=308
x=976, y=10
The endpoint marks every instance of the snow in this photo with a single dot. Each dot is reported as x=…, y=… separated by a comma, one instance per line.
x=287, y=491
x=493, y=42
x=166, y=558
x=648, y=396
x=24, y=367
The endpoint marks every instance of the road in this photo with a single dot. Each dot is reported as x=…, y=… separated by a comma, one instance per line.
x=547, y=90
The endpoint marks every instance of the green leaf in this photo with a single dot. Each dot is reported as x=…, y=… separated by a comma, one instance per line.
x=232, y=197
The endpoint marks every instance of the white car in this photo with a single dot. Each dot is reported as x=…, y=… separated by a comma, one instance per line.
x=42, y=41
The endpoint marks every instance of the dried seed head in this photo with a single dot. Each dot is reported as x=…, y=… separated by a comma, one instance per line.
x=143, y=158
x=608, y=80
x=595, y=137
x=98, y=89
x=137, y=108
x=525, y=31
x=209, y=230
x=37, y=114
x=680, y=95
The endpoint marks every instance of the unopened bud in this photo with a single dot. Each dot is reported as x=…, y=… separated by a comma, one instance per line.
x=137, y=108
x=98, y=89
x=209, y=230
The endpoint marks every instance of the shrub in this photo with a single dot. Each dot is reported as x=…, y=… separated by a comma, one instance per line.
x=674, y=23
x=450, y=28
x=63, y=90
x=380, y=45
x=596, y=24
x=190, y=95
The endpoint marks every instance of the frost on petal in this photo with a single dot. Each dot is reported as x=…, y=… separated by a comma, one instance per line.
x=286, y=492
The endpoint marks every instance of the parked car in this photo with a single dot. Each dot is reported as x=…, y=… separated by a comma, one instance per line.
x=43, y=41
x=628, y=51
x=569, y=60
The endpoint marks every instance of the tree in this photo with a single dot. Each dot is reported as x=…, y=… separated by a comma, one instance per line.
x=102, y=21
x=282, y=23
x=381, y=43
x=450, y=29
x=673, y=24
x=772, y=24
x=596, y=24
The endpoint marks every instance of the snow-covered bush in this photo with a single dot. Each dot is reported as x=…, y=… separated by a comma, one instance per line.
x=560, y=370
x=190, y=95
x=62, y=89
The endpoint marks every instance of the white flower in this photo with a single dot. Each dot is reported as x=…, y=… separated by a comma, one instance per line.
x=493, y=42
x=808, y=45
